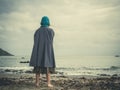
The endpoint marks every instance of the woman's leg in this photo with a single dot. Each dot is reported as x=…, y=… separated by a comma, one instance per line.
x=37, y=79
x=48, y=78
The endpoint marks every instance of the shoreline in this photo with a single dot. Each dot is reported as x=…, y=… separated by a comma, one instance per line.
x=84, y=82
x=29, y=71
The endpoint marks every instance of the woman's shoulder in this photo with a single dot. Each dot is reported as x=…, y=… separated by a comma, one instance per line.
x=51, y=29
x=37, y=31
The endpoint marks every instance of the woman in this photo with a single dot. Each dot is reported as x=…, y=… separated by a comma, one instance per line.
x=42, y=58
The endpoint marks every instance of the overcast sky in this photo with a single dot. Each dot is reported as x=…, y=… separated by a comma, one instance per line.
x=82, y=27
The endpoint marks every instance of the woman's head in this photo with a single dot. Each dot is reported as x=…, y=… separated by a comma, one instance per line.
x=45, y=21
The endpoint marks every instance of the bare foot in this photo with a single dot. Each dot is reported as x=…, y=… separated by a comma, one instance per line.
x=50, y=85
x=37, y=84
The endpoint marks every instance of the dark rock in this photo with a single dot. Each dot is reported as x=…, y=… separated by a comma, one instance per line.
x=114, y=75
x=22, y=57
x=24, y=61
x=7, y=70
x=103, y=74
x=28, y=71
x=5, y=81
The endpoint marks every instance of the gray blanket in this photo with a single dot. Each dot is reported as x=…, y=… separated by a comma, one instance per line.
x=43, y=53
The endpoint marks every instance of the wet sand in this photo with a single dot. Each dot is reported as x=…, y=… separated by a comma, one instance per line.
x=27, y=82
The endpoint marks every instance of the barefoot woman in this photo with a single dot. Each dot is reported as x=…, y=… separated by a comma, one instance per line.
x=42, y=58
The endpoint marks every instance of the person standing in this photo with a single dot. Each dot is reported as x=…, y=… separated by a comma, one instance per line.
x=42, y=57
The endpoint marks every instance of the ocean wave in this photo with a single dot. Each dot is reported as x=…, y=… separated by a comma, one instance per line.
x=69, y=70
x=114, y=67
x=96, y=68
x=89, y=68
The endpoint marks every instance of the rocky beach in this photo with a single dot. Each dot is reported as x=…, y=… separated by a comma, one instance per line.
x=15, y=74
x=60, y=82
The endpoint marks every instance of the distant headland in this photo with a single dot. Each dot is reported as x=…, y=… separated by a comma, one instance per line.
x=4, y=53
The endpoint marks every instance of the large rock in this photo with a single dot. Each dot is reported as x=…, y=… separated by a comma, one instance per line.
x=4, y=53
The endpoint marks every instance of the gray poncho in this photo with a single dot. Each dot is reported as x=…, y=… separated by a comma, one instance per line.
x=43, y=53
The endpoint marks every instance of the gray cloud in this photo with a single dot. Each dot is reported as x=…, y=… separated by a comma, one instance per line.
x=81, y=26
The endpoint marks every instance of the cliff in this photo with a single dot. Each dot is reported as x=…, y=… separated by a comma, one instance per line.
x=4, y=53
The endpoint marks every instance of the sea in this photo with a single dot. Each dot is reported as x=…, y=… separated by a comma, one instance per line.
x=66, y=65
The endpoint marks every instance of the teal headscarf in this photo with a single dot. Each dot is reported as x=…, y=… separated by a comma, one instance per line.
x=45, y=21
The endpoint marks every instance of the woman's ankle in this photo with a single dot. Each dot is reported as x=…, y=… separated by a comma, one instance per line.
x=36, y=84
